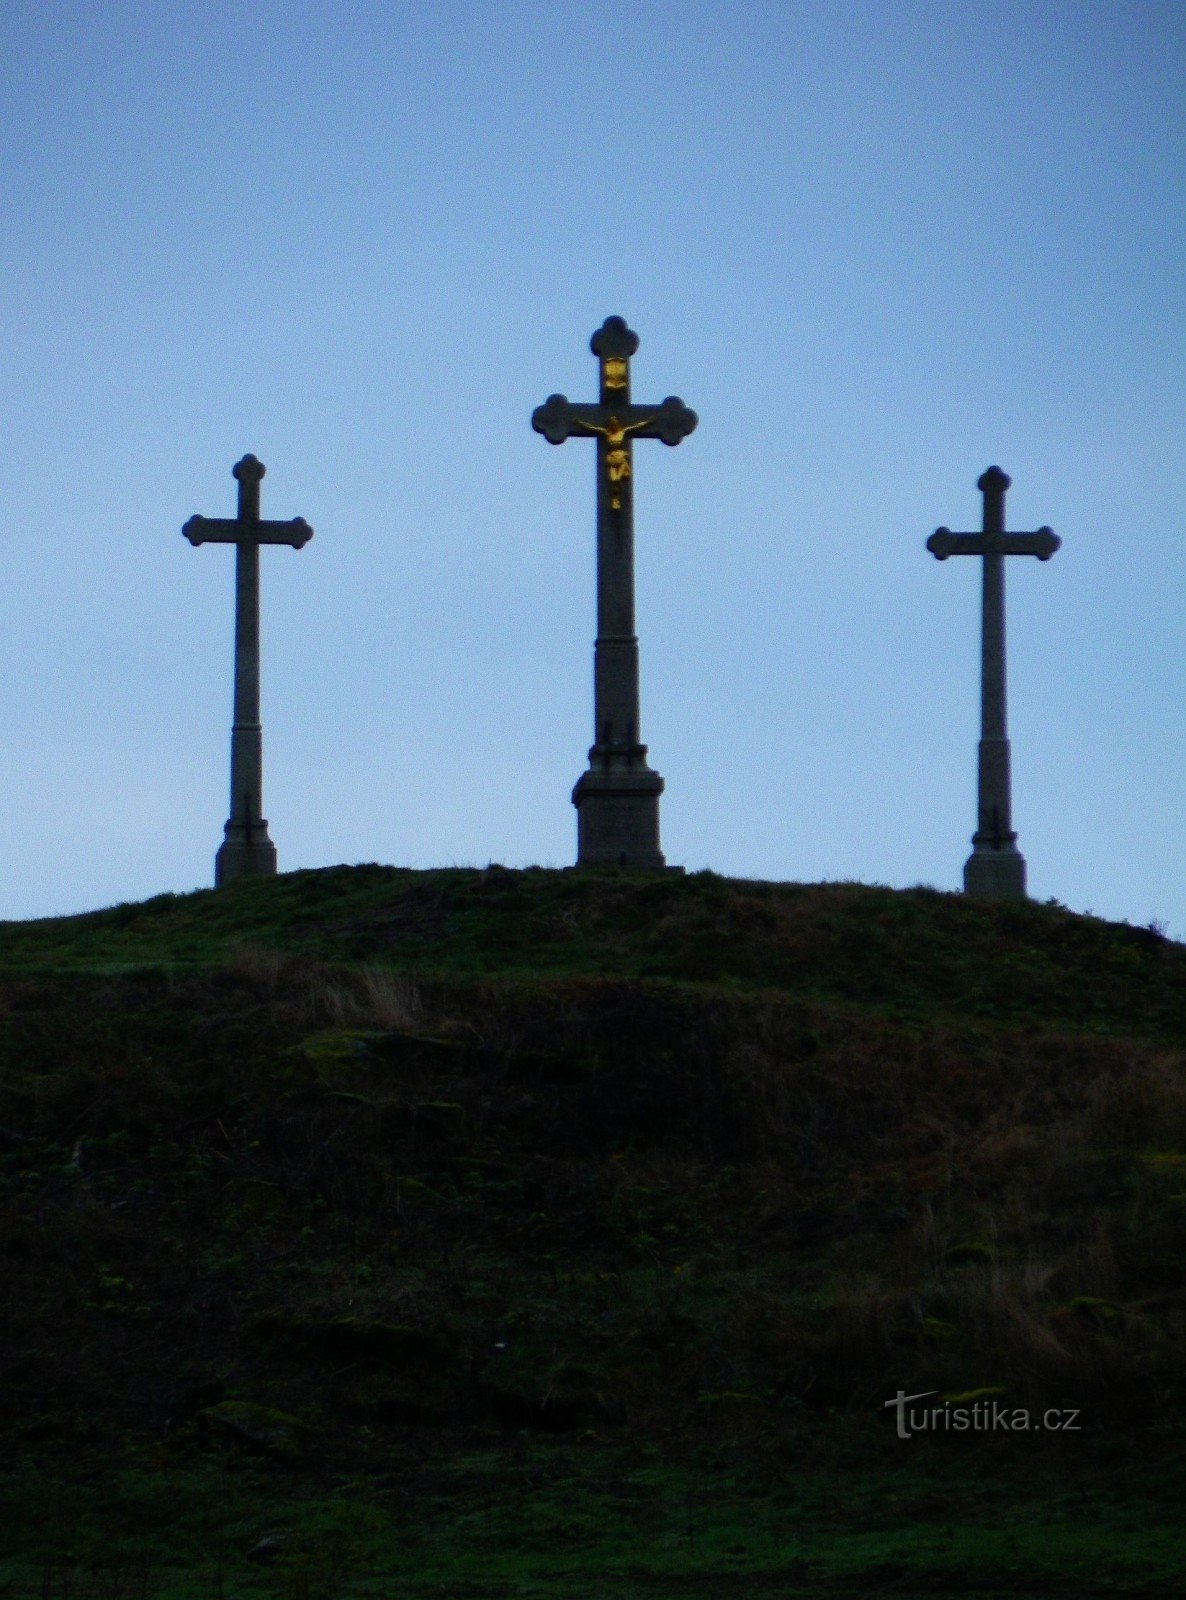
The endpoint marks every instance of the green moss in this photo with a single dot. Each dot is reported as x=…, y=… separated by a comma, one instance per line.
x=942, y=1332
x=1092, y=1306
x=263, y=1428
x=970, y=1253
x=1166, y=1164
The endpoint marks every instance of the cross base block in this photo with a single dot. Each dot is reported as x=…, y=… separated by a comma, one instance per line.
x=995, y=874
x=240, y=857
x=618, y=819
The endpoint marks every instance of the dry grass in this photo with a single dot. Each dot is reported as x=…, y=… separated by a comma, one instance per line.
x=368, y=996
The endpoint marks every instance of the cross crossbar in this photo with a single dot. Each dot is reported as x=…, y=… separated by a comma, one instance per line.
x=232, y=530
x=559, y=419
x=1043, y=543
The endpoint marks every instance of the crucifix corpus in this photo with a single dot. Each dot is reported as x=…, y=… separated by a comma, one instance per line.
x=617, y=799
x=246, y=850
x=996, y=868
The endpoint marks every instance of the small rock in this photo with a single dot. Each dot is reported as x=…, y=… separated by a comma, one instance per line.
x=268, y=1548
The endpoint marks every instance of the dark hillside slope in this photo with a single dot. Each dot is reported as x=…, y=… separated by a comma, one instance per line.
x=368, y=1166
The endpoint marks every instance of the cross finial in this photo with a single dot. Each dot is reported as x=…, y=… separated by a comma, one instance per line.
x=614, y=338
x=250, y=470
x=994, y=478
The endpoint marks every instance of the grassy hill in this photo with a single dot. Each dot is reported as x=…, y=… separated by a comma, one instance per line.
x=549, y=1234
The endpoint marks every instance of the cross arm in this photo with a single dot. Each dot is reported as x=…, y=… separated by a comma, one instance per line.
x=1043, y=543
x=944, y=543
x=233, y=530
x=559, y=419
x=671, y=422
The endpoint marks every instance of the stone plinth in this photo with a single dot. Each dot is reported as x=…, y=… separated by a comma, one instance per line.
x=618, y=818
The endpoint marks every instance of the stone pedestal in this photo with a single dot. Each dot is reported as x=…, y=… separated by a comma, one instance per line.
x=618, y=816
x=240, y=857
x=996, y=868
x=995, y=874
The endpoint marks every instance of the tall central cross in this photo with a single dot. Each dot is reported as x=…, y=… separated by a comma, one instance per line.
x=617, y=799
x=996, y=868
x=246, y=850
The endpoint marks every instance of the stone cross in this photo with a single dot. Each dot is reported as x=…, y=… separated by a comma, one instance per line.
x=996, y=868
x=246, y=850
x=617, y=799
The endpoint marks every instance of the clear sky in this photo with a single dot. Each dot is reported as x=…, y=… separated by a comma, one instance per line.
x=877, y=245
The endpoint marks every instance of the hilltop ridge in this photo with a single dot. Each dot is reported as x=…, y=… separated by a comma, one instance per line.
x=917, y=949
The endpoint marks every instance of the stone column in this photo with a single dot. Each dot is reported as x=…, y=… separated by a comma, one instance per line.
x=246, y=850
x=996, y=868
x=617, y=799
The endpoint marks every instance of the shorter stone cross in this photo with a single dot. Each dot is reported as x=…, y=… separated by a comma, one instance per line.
x=617, y=799
x=246, y=850
x=996, y=868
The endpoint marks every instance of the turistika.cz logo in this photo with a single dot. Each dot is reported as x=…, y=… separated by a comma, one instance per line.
x=982, y=1416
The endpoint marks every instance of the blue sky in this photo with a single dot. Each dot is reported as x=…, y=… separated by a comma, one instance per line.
x=876, y=246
